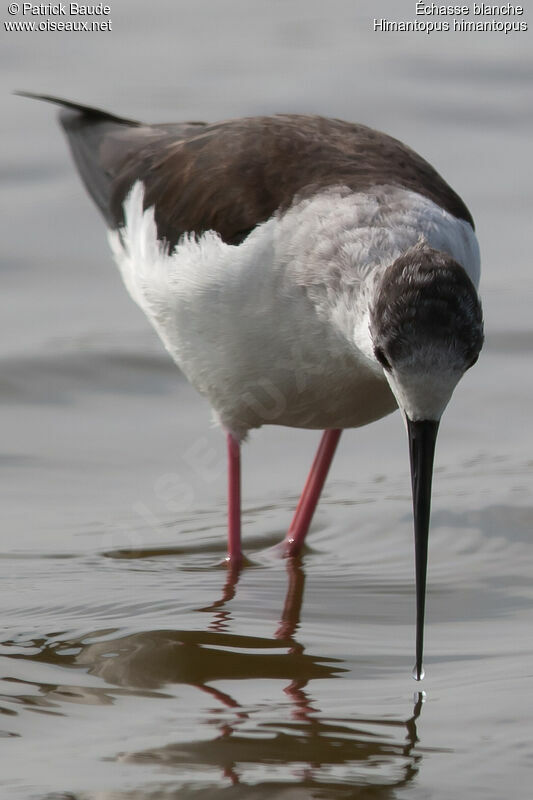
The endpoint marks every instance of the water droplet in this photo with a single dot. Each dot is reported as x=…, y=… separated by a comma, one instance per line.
x=419, y=697
x=418, y=676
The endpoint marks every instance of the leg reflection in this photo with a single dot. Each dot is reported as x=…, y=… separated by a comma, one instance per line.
x=289, y=623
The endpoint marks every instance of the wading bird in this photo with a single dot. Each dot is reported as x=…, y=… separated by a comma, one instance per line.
x=300, y=271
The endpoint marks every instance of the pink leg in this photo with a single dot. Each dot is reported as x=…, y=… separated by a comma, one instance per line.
x=311, y=493
x=234, y=557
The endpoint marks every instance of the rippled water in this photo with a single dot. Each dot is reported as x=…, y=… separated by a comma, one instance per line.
x=130, y=666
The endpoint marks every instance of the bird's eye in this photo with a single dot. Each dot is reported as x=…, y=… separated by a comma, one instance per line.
x=382, y=358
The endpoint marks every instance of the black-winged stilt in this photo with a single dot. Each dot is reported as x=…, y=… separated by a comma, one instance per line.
x=301, y=271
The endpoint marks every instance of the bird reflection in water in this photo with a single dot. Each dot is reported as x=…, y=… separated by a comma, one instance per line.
x=311, y=743
x=307, y=749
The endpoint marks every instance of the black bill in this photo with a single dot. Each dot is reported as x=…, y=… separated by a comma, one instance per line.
x=422, y=438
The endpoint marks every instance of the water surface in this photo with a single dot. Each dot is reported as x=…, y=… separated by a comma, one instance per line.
x=130, y=667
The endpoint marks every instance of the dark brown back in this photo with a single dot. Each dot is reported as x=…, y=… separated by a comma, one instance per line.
x=231, y=176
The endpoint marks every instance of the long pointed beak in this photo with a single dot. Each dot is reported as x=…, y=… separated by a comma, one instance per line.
x=422, y=438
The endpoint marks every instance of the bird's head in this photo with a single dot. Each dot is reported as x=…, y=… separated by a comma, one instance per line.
x=426, y=327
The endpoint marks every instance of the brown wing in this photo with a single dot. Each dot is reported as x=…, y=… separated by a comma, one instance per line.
x=234, y=175
x=231, y=176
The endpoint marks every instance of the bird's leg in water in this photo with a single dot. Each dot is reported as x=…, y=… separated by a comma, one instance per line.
x=234, y=557
x=311, y=492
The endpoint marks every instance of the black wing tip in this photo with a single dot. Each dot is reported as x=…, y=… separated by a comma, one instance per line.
x=88, y=112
